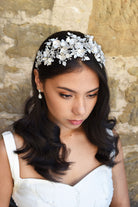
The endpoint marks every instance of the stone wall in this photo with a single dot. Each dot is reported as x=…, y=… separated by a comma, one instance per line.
x=24, y=24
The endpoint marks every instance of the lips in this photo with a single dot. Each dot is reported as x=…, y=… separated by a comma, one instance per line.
x=76, y=122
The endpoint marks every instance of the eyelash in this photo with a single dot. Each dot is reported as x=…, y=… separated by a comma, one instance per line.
x=92, y=95
x=65, y=96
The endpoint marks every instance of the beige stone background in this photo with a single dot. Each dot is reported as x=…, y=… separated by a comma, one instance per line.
x=24, y=24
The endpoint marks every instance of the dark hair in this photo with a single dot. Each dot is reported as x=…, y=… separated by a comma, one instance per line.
x=41, y=136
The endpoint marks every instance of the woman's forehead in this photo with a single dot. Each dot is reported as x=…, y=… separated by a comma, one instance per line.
x=75, y=80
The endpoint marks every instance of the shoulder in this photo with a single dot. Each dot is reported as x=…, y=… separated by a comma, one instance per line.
x=3, y=153
x=2, y=147
x=14, y=135
x=119, y=158
x=5, y=175
x=119, y=180
x=119, y=169
x=18, y=140
x=4, y=162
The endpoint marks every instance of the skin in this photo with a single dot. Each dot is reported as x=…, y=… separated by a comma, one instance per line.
x=69, y=98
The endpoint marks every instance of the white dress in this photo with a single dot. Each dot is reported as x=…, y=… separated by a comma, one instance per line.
x=94, y=190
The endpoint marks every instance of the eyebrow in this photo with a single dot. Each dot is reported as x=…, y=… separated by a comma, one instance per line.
x=70, y=90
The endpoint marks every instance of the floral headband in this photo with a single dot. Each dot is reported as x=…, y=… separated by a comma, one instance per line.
x=74, y=46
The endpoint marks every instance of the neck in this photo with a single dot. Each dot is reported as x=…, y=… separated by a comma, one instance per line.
x=66, y=134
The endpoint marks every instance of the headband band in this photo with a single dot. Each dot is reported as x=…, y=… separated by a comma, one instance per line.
x=74, y=46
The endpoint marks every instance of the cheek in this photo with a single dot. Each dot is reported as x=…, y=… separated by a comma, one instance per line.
x=92, y=105
x=95, y=101
x=49, y=101
x=55, y=104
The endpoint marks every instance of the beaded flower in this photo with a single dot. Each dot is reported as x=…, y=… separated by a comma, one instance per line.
x=74, y=46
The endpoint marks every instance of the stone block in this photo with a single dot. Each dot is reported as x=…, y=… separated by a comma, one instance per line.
x=129, y=115
x=129, y=138
x=5, y=125
x=6, y=121
x=113, y=85
x=31, y=7
x=12, y=99
x=27, y=38
x=130, y=112
x=133, y=71
x=114, y=24
x=11, y=69
x=131, y=94
x=2, y=74
x=131, y=165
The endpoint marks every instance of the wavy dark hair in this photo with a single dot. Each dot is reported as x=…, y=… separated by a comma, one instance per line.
x=41, y=136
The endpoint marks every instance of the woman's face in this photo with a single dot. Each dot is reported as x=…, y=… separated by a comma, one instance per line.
x=71, y=97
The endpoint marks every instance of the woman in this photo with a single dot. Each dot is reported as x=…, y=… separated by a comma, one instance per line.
x=66, y=151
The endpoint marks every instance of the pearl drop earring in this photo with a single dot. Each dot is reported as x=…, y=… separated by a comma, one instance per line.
x=39, y=94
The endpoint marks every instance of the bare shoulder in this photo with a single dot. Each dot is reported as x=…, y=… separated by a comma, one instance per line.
x=18, y=141
x=119, y=181
x=120, y=157
x=5, y=176
x=3, y=153
x=4, y=163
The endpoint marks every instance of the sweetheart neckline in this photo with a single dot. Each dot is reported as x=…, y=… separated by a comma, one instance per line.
x=48, y=181
x=59, y=183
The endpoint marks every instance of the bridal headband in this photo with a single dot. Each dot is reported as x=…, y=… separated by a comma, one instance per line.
x=72, y=47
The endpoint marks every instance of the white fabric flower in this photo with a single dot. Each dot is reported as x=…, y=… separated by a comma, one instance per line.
x=74, y=46
x=56, y=44
x=63, y=43
x=49, y=61
x=80, y=52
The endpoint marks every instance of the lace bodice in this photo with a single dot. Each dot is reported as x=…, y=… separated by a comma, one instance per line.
x=93, y=190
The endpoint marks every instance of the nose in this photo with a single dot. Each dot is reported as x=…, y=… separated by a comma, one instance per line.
x=79, y=107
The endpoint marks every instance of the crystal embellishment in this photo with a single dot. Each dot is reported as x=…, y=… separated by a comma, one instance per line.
x=74, y=46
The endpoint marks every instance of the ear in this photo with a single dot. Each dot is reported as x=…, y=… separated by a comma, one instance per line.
x=39, y=84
